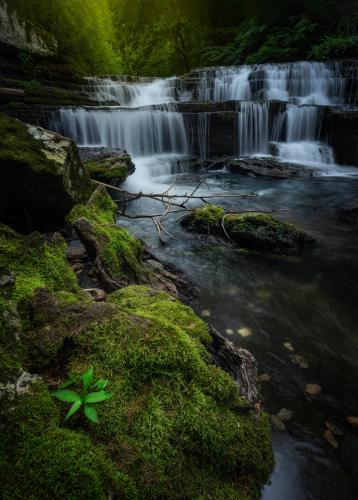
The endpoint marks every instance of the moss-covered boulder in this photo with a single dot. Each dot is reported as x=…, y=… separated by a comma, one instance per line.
x=31, y=262
x=108, y=165
x=114, y=252
x=252, y=229
x=170, y=430
x=41, y=177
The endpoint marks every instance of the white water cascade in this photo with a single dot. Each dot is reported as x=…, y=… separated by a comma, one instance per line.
x=279, y=110
x=133, y=94
x=141, y=132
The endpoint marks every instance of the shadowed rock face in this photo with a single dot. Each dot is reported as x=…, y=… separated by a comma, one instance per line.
x=41, y=175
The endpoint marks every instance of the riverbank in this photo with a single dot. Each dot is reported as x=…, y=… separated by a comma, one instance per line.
x=170, y=408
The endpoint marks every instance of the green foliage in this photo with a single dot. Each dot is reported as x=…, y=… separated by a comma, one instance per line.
x=93, y=391
x=336, y=46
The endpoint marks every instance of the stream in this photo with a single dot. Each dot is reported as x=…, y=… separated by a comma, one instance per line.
x=297, y=314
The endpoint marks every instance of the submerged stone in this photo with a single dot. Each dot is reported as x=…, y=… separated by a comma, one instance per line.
x=252, y=229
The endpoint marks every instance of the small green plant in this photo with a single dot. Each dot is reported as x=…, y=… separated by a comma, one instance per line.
x=93, y=391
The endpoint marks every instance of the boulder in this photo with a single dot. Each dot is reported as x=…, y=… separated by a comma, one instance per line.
x=108, y=165
x=256, y=230
x=41, y=177
x=268, y=167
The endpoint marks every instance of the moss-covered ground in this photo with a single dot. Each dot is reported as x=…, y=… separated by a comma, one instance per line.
x=170, y=429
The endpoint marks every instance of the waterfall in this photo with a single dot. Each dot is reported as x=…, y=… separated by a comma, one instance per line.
x=253, y=128
x=314, y=83
x=303, y=123
x=279, y=111
x=143, y=92
x=306, y=153
x=203, y=135
x=141, y=132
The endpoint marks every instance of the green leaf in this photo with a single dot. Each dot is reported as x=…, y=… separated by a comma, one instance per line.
x=91, y=414
x=87, y=379
x=67, y=396
x=100, y=384
x=76, y=406
x=97, y=397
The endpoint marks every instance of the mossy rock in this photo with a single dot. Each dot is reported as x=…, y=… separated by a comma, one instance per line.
x=34, y=262
x=252, y=229
x=41, y=177
x=116, y=253
x=111, y=167
x=170, y=429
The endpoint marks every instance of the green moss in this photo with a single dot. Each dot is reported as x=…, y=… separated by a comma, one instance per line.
x=171, y=410
x=17, y=145
x=148, y=303
x=251, y=229
x=40, y=460
x=118, y=250
x=36, y=263
x=110, y=169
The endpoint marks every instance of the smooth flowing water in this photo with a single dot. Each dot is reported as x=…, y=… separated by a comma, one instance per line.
x=289, y=311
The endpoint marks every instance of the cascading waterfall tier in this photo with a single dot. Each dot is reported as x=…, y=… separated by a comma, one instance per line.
x=141, y=132
x=147, y=120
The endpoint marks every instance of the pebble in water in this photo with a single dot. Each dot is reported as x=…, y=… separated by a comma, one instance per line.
x=229, y=331
x=330, y=438
x=334, y=429
x=205, y=313
x=263, y=294
x=265, y=377
x=288, y=346
x=277, y=423
x=285, y=415
x=353, y=420
x=244, y=332
x=313, y=389
x=299, y=360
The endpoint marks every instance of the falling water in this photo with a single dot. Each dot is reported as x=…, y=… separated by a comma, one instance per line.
x=142, y=92
x=253, y=128
x=148, y=120
x=141, y=132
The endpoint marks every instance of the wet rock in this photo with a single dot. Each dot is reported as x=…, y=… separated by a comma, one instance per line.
x=41, y=177
x=237, y=361
x=299, y=360
x=353, y=420
x=277, y=423
x=285, y=415
x=255, y=230
x=334, y=429
x=288, y=346
x=244, y=332
x=109, y=165
x=328, y=436
x=313, y=389
x=269, y=168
